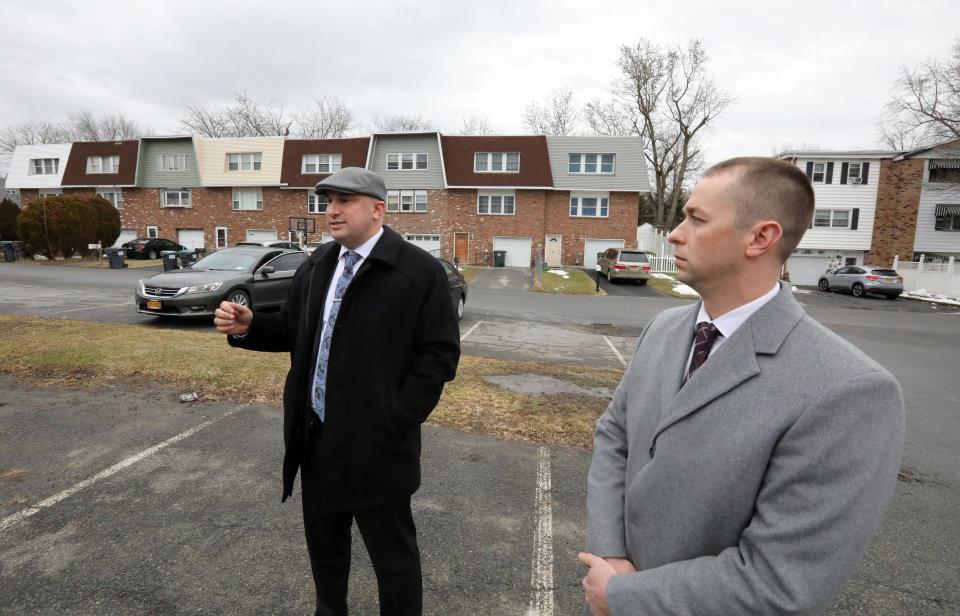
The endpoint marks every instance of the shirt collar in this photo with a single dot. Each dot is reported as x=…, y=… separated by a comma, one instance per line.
x=365, y=248
x=729, y=322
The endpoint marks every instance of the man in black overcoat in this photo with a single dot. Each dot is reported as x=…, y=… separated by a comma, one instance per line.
x=373, y=336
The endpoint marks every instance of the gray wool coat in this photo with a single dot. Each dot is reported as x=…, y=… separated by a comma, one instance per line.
x=756, y=487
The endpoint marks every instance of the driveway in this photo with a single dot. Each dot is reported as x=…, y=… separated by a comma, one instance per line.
x=503, y=279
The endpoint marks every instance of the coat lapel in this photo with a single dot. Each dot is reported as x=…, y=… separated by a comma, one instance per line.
x=732, y=364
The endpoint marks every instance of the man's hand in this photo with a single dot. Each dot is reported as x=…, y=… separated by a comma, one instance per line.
x=233, y=319
x=595, y=584
x=621, y=565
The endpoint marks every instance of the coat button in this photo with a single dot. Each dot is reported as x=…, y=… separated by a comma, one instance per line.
x=653, y=449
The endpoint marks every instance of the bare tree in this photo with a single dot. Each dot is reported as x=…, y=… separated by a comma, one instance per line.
x=244, y=117
x=31, y=132
x=925, y=104
x=666, y=96
x=402, y=123
x=558, y=115
x=85, y=126
x=476, y=125
x=327, y=118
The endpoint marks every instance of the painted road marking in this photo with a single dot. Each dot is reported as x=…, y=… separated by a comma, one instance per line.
x=615, y=351
x=92, y=307
x=470, y=331
x=541, y=569
x=9, y=521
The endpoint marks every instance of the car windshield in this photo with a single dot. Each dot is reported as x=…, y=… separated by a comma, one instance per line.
x=228, y=260
x=633, y=257
x=884, y=272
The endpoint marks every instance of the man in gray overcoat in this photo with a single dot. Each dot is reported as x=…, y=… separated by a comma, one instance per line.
x=749, y=453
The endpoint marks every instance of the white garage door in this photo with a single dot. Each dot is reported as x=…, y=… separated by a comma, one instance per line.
x=190, y=238
x=430, y=243
x=126, y=235
x=591, y=247
x=806, y=270
x=261, y=235
x=518, y=250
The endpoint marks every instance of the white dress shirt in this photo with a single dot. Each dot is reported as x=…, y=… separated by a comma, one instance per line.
x=364, y=251
x=730, y=322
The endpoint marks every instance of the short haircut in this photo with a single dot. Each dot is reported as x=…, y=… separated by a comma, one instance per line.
x=770, y=189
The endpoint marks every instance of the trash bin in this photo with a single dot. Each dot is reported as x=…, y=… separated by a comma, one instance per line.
x=499, y=258
x=9, y=252
x=169, y=260
x=187, y=257
x=116, y=257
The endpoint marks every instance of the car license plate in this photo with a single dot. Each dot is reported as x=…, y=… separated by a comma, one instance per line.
x=888, y=279
x=154, y=304
x=633, y=268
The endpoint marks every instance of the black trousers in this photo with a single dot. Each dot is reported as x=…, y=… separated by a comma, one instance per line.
x=388, y=533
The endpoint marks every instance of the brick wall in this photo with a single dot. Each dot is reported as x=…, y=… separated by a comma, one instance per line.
x=621, y=223
x=898, y=201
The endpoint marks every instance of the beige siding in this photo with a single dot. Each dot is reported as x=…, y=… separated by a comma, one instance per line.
x=212, y=158
x=630, y=172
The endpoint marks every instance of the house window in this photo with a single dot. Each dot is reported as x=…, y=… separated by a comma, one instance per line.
x=854, y=173
x=407, y=161
x=221, y=237
x=244, y=161
x=947, y=217
x=406, y=201
x=589, y=207
x=496, y=162
x=945, y=171
x=317, y=204
x=49, y=192
x=113, y=195
x=819, y=172
x=103, y=164
x=496, y=204
x=153, y=231
x=175, y=198
x=320, y=163
x=832, y=219
x=247, y=199
x=44, y=166
x=592, y=163
x=172, y=162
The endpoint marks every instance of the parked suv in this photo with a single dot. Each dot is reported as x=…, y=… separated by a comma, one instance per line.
x=626, y=264
x=860, y=281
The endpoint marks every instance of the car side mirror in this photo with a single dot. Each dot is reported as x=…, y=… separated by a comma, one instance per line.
x=267, y=269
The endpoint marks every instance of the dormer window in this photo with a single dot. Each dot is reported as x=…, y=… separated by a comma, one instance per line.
x=103, y=164
x=44, y=166
x=320, y=163
x=407, y=161
x=496, y=162
x=592, y=163
x=244, y=161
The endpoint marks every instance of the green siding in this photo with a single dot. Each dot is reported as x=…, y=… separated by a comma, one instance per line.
x=150, y=176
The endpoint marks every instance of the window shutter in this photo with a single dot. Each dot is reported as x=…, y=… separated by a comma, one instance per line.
x=864, y=171
x=854, y=218
x=810, y=169
x=843, y=172
x=829, y=173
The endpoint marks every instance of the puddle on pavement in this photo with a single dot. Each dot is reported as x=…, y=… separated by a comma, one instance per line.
x=540, y=384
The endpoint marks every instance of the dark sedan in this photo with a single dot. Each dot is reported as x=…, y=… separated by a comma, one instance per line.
x=457, y=285
x=149, y=247
x=248, y=275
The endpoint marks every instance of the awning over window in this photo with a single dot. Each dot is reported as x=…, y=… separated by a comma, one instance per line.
x=941, y=163
x=948, y=209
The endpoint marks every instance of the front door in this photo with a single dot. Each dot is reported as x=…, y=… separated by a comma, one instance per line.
x=460, y=248
x=551, y=254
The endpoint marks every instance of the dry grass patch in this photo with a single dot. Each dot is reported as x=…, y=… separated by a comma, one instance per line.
x=576, y=282
x=77, y=353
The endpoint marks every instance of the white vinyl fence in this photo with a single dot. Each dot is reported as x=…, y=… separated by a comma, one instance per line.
x=934, y=278
x=652, y=239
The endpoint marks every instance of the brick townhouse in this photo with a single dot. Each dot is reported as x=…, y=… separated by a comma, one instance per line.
x=566, y=198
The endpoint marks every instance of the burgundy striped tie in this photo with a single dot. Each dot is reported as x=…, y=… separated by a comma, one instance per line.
x=706, y=334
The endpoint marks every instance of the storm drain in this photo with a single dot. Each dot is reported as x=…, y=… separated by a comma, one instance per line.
x=603, y=327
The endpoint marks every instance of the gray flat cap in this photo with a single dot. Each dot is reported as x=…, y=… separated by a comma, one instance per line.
x=354, y=180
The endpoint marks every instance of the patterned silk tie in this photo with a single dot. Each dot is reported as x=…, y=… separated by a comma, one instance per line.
x=323, y=353
x=706, y=334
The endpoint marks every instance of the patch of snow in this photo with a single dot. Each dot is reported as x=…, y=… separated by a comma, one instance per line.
x=559, y=272
x=923, y=294
x=663, y=276
x=683, y=289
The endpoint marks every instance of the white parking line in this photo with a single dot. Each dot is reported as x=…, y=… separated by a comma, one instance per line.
x=615, y=351
x=92, y=307
x=470, y=331
x=9, y=521
x=541, y=569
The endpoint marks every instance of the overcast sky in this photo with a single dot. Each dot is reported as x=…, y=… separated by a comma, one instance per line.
x=802, y=73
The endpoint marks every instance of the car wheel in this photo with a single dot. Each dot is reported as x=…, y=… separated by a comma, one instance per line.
x=642, y=281
x=858, y=290
x=893, y=295
x=609, y=276
x=239, y=296
x=152, y=254
x=460, y=308
x=823, y=285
